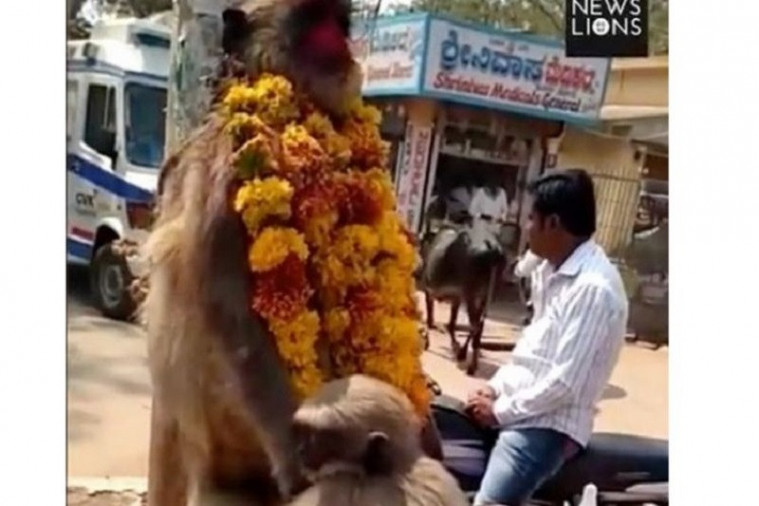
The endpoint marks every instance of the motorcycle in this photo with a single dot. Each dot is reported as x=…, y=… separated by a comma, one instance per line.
x=621, y=469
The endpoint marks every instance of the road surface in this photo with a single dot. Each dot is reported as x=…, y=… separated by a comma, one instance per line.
x=109, y=387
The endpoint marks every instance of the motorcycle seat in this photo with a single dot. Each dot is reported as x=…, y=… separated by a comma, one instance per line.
x=614, y=463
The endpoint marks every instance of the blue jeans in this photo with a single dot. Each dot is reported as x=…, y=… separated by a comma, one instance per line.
x=521, y=461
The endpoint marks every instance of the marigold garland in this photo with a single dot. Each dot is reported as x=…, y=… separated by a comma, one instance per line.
x=330, y=260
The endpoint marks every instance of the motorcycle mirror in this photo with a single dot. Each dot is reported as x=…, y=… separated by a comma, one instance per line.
x=589, y=496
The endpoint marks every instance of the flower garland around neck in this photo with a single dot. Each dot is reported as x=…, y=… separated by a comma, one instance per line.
x=331, y=264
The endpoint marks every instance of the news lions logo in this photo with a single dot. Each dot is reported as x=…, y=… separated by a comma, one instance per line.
x=606, y=28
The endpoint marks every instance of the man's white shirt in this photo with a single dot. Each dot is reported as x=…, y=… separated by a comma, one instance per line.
x=459, y=200
x=486, y=204
x=565, y=357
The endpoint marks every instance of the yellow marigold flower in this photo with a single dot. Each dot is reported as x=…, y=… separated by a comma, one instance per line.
x=306, y=381
x=296, y=338
x=273, y=246
x=318, y=125
x=394, y=241
x=395, y=287
x=271, y=97
x=336, y=276
x=356, y=243
x=336, y=322
x=256, y=156
x=274, y=86
x=242, y=126
x=318, y=229
x=240, y=98
x=366, y=113
x=335, y=145
x=260, y=199
x=383, y=185
x=402, y=332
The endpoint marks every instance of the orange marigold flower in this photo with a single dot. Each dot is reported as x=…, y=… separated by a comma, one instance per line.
x=283, y=292
x=302, y=155
x=362, y=303
x=315, y=211
x=359, y=201
x=367, y=147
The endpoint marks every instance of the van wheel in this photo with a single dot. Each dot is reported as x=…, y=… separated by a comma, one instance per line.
x=110, y=281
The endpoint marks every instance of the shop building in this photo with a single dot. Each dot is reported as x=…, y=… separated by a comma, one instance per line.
x=626, y=151
x=464, y=102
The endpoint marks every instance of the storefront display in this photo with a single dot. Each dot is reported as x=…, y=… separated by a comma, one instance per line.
x=481, y=106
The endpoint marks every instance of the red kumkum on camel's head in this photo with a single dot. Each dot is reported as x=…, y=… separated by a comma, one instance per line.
x=304, y=40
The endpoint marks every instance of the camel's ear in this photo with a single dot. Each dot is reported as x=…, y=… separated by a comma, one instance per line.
x=236, y=30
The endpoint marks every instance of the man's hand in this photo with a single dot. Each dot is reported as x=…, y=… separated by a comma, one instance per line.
x=485, y=391
x=481, y=409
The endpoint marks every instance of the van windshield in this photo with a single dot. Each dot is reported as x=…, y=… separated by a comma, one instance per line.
x=145, y=127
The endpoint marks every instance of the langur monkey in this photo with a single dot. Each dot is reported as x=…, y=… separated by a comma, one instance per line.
x=222, y=400
x=358, y=440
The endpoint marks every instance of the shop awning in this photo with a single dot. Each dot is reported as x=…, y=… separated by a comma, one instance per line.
x=629, y=112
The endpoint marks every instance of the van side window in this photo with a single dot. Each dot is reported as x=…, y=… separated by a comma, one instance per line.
x=100, y=126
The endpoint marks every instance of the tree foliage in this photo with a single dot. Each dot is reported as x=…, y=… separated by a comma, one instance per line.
x=79, y=27
x=541, y=17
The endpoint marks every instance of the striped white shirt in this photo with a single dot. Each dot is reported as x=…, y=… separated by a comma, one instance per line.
x=565, y=357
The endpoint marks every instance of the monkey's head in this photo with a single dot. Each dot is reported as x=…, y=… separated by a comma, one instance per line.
x=304, y=40
x=359, y=425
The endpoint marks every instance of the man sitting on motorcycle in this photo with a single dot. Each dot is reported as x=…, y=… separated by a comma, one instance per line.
x=543, y=401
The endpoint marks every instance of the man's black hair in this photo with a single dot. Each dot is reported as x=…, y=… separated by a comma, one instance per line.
x=569, y=195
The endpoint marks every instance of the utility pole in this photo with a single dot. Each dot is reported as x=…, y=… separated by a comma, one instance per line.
x=195, y=57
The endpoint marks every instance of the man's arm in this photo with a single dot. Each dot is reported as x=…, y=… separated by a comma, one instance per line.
x=588, y=317
x=527, y=264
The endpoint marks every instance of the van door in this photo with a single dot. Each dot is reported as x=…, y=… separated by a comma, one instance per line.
x=78, y=240
x=94, y=160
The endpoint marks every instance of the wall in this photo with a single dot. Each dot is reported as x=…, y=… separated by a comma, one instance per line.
x=616, y=175
x=415, y=159
x=639, y=82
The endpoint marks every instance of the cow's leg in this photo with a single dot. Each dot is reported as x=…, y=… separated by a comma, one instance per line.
x=475, y=310
x=452, y=322
x=429, y=303
x=477, y=315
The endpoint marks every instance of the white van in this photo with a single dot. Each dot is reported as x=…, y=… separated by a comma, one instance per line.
x=116, y=113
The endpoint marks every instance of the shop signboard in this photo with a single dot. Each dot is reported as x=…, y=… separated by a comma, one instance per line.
x=413, y=174
x=515, y=72
x=390, y=53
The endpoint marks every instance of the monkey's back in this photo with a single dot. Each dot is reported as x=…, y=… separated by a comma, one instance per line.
x=427, y=483
x=197, y=391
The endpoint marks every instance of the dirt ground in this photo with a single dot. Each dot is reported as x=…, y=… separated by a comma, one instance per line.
x=79, y=496
x=109, y=390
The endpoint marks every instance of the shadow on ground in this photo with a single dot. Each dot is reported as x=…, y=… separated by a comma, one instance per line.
x=106, y=360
